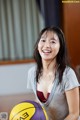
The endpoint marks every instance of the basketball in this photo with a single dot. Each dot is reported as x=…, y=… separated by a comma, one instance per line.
x=28, y=110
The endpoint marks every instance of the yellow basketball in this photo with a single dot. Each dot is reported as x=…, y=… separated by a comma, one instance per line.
x=28, y=110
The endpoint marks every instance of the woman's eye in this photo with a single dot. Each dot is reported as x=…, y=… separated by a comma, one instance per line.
x=43, y=40
x=52, y=41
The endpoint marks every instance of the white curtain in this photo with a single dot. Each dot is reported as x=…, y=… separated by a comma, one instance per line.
x=20, y=24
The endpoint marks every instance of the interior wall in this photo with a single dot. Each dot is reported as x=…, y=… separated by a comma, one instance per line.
x=13, y=78
x=71, y=26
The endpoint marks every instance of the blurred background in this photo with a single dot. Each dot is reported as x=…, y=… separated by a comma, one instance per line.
x=20, y=23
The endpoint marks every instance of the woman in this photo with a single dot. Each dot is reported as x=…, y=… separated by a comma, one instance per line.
x=52, y=79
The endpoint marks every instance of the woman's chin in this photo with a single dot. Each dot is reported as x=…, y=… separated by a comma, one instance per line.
x=46, y=59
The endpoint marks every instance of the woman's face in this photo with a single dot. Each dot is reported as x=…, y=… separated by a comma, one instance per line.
x=49, y=45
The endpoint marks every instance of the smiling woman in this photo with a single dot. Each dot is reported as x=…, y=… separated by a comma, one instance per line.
x=53, y=81
x=48, y=45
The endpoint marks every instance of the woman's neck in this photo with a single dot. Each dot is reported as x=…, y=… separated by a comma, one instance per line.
x=49, y=66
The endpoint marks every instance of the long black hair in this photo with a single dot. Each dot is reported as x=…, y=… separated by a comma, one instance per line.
x=62, y=56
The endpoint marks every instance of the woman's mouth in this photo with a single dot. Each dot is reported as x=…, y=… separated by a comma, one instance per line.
x=46, y=51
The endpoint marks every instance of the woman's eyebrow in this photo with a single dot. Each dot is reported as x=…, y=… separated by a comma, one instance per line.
x=53, y=39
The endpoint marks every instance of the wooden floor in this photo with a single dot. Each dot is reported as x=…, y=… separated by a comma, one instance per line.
x=7, y=102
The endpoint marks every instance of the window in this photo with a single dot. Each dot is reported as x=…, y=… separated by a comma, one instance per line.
x=20, y=24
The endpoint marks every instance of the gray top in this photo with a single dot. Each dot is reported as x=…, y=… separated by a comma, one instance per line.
x=57, y=99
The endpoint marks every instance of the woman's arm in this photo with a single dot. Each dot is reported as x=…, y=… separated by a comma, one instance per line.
x=73, y=103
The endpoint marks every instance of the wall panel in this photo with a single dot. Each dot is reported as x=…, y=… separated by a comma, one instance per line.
x=71, y=26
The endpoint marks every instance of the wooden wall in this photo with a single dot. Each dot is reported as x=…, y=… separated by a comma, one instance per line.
x=71, y=27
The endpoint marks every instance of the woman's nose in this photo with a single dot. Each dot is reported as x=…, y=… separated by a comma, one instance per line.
x=47, y=44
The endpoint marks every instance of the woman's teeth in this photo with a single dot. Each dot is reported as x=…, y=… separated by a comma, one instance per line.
x=46, y=51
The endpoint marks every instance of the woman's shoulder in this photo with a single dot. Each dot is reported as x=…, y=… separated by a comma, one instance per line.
x=69, y=80
x=32, y=69
x=69, y=74
x=69, y=71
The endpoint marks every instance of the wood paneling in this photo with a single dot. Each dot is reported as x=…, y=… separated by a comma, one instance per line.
x=71, y=26
x=17, y=62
